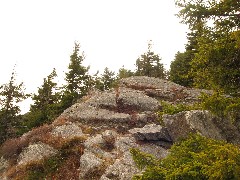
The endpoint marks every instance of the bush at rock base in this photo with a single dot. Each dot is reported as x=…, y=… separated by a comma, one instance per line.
x=196, y=157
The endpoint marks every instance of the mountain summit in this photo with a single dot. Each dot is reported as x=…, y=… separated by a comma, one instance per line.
x=92, y=138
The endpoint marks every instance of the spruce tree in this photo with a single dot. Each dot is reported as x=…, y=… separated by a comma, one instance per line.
x=149, y=64
x=108, y=79
x=215, y=28
x=11, y=94
x=46, y=104
x=77, y=79
x=124, y=73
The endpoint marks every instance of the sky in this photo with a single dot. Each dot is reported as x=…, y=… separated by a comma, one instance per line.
x=38, y=35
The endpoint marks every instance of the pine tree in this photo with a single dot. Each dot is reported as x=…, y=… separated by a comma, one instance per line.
x=77, y=78
x=124, y=73
x=108, y=79
x=46, y=104
x=149, y=64
x=215, y=62
x=47, y=93
x=10, y=95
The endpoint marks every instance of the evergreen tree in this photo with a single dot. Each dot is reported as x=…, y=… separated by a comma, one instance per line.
x=149, y=64
x=46, y=104
x=10, y=95
x=108, y=79
x=215, y=64
x=180, y=69
x=105, y=81
x=96, y=82
x=124, y=73
x=77, y=78
x=47, y=93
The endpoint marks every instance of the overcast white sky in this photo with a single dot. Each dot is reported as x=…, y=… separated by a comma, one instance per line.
x=38, y=35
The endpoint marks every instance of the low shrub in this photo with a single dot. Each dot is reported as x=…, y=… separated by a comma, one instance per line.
x=11, y=148
x=64, y=165
x=196, y=157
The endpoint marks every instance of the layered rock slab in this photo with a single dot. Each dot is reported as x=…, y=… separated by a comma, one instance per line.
x=128, y=99
x=196, y=121
x=163, y=89
x=151, y=132
x=95, y=116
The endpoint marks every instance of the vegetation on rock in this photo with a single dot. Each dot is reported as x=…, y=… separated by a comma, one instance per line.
x=196, y=157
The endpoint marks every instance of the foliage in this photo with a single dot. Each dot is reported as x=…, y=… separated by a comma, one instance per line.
x=222, y=106
x=142, y=159
x=124, y=73
x=107, y=79
x=217, y=64
x=10, y=95
x=46, y=104
x=180, y=69
x=196, y=157
x=47, y=168
x=149, y=64
x=171, y=109
x=77, y=79
x=63, y=165
x=51, y=168
x=104, y=81
x=214, y=27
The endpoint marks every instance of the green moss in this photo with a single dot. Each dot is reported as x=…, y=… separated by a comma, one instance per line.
x=171, y=109
x=194, y=158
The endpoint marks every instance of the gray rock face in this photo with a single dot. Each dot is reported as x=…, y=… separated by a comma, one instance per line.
x=96, y=116
x=109, y=136
x=89, y=164
x=122, y=113
x=122, y=169
x=144, y=82
x=154, y=87
x=102, y=145
x=67, y=131
x=3, y=164
x=157, y=151
x=192, y=94
x=163, y=89
x=104, y=100
x=124, y=143
x=95, y=144
x=181, y=124
x=151, y=132
x=129, y=99
x=35, y=152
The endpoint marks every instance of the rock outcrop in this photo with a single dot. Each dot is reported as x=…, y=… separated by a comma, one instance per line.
x=108, y=124
x=35, y=152
x=151, y=132
x=198, y=121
